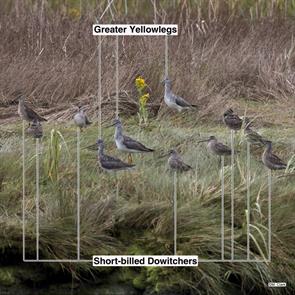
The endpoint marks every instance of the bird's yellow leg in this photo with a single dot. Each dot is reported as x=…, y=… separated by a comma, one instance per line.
x=129, y=159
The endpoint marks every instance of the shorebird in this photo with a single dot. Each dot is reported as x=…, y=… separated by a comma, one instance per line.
x=173, y=101
x=270, y=160
x=216, y=147
x=80, y=118
x=35, y=129
x=231, y=120
x=26, y=113
x=252, y=136
x=109, y=163
x=127, y=144
x=176, y=163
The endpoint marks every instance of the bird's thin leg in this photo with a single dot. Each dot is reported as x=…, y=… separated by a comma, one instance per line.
x=130, y=159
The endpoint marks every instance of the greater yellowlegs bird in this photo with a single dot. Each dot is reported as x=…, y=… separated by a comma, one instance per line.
x=35, y=129
x=174, y=101
x=216, y=147
x=176, y=163
x=252, y=136
x=80, y=118
x=26, y=113
x=109, y=163
x=127, y=144
x=231, y=120
x=270, y=160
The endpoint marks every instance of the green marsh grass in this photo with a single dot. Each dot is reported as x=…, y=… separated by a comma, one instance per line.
x=140, y=220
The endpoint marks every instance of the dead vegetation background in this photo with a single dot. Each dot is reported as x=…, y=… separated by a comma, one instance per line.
x=221, y=56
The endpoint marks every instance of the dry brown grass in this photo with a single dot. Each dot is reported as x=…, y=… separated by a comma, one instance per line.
x=52, y=58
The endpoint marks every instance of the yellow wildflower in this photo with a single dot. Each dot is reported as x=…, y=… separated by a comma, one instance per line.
x=144, y=98
x=140, y=83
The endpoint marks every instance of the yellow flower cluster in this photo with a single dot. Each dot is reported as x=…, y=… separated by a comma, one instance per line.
x=144, y=98
x=140, y=83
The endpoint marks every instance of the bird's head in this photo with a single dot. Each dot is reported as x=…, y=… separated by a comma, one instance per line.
x=228, y=112
x=267, y=143
x=172, y=152
x=116, y=122
x=167, y=81
x=211, y=137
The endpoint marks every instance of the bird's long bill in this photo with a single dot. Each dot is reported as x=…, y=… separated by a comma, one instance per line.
x=112, y=125
x=163, y=156
x=204, y=140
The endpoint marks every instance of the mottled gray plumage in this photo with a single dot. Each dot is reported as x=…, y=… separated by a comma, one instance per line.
x=127, y=144
x=26, y=113
x=231, y=120
x=175, y=162
x=270, y=160
x=35, y=129
x=174, y=101
x=216, y=147
x=109, y=163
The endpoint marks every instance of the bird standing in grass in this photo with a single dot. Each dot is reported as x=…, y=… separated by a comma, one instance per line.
x=35, y=129
x=216, y=147
x=231, y=120
x=80, y=119
x=26, y=113
x=172, y=100
x=270, y=160
x=127, y=144
x=109, y=163
x=176, y=163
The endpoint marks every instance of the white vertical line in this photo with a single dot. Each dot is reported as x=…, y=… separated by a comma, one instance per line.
x=175, y=211
x=232, y=192
x=269, y=215
x=222, y=207
x=99, y=87
x=166, y=56
x=117, y=76
x=24, y=192
x=117, y=187
x=248, y=199
x=37, y=198
x=78, y=193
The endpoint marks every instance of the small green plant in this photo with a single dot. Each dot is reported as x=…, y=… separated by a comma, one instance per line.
x=53, y=156
x=144, y=96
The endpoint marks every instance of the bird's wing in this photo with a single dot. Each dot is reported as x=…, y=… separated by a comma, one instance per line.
x=275, y=160
x=133, y=144
x=32, y=114
x=114, y=163
x=254, y=136
x=222, y=147
x=87, y=120
x=181, y=102
x=178, y=163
